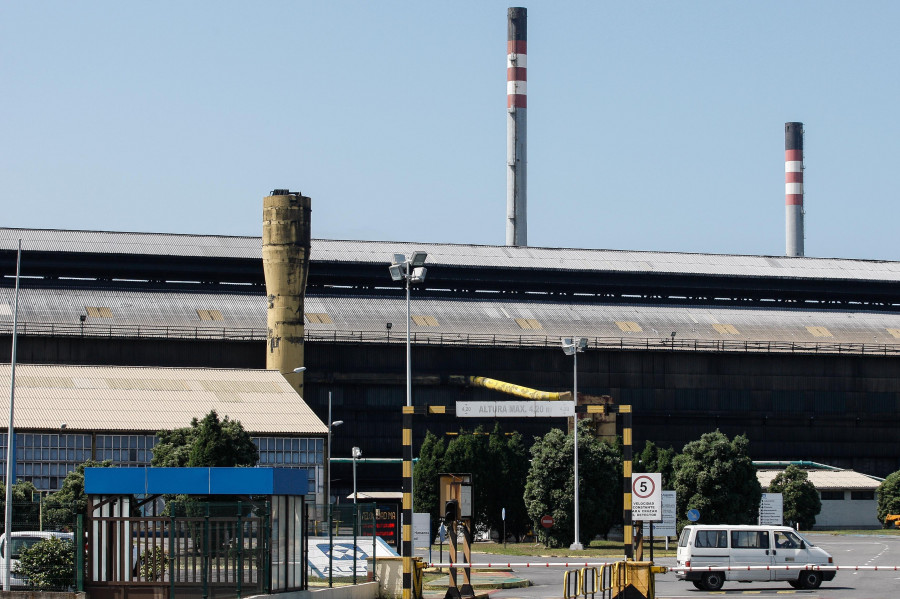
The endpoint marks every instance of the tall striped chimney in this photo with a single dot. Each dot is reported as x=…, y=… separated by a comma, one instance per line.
x=516, y=157
x=793, y=188
x=285, y=251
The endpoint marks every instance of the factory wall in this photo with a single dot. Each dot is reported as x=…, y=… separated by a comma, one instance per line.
x=835, y=409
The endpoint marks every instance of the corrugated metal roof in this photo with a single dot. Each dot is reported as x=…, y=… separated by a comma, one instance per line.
x=143, y=399
x=827, y=480
x=475, y=256
x=148, y=313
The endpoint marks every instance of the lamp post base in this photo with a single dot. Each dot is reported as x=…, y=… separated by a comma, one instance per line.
x=576, y=547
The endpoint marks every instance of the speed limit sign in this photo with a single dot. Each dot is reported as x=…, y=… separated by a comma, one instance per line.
x=646, y=496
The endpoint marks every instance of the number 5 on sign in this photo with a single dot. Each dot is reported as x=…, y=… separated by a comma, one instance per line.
x=646, y=496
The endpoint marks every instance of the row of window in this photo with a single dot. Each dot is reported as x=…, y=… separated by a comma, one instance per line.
x=854, y=495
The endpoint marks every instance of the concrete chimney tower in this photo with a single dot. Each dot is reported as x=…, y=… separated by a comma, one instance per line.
x=285, y=251
x=793, y=188
x=516, y=155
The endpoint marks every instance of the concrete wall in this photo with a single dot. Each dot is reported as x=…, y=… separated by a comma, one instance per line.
x=848, y=513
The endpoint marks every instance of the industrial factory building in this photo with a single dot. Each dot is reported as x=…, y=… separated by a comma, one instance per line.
x=66, y=415
x=798, y=353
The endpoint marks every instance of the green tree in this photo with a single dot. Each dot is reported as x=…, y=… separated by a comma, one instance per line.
x=61, y=507
x=49, y=564
x=550, y=488
x=799, y=495
x=26, y=509
x=508, y=471
x=717, y=477
x=889, y=498
x=207, y=443
x=656, y=459
x=426, y=476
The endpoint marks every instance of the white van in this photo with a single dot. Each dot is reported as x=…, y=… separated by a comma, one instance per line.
x=735, y=547
x=22, y=540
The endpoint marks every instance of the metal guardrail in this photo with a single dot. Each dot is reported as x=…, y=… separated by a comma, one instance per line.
x=92, y=330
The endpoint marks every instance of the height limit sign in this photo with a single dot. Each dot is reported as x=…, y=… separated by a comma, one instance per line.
x=646, y=497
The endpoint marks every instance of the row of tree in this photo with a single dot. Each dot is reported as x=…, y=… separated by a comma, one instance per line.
x=713, y=474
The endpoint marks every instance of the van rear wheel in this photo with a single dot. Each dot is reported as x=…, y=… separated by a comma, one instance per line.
x=810, y=579
x=713, y=581
x=698, y=585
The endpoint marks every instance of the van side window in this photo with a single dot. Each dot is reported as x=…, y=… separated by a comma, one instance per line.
x=711, y=538
x=750, y=539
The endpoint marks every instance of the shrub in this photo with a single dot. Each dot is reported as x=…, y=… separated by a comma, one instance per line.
x=48, y=564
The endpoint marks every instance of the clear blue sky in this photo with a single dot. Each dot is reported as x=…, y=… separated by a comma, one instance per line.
x=651, y=125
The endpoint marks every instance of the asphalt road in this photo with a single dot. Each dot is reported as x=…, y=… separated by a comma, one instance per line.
x=861, y=550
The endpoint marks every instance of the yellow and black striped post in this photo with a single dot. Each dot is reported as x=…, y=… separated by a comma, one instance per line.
x=626, y=479
x=627, y=455
x=407, y=509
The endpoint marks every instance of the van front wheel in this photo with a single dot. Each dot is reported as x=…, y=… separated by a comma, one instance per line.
x=810, y=579
x=713, y=581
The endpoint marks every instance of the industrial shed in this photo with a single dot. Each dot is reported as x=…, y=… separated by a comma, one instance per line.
x=797, y=353
x=65, y=415
x=849, y=498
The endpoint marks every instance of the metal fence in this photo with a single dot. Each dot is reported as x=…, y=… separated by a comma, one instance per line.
x=458, y=339
x=194, y=549
x=41, y=546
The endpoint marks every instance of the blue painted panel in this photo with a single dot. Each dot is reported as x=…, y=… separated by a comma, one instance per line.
x=195, y=481
x=111, y=481
x=178, y=481
x=291, y=481
x=241, y=481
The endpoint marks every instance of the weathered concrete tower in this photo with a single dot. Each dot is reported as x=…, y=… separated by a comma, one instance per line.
x=285, y=251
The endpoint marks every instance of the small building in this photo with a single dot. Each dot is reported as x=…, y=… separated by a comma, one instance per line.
x=849, y=498
x=66, y=415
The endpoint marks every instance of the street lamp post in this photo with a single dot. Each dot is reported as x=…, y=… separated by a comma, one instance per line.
x=572, y=346
x=411, y=270
x=356, y=453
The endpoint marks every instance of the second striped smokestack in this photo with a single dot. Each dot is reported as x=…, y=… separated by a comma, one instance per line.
x=516, y=157
x=793, y=188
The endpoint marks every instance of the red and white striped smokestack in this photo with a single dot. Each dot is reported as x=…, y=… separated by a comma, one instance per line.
x=516, y=157
x=793, y=188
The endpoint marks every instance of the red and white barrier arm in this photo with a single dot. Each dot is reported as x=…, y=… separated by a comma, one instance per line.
x=486, y=565
x=835, y=568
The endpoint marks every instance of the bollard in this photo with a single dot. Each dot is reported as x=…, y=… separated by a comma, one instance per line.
x=634, y=580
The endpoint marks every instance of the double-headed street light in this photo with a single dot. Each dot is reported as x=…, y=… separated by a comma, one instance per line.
x=411, y=270
x=572, y=346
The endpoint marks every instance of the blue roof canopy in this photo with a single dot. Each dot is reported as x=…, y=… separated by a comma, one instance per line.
x=196, y=481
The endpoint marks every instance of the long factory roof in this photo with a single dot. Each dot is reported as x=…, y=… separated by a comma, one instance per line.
x=774, y=303
x=471, y=256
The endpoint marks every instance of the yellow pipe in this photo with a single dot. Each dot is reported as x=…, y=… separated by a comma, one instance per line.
x=518, y=390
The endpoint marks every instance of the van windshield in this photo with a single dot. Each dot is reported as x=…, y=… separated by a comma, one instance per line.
x=21, y=543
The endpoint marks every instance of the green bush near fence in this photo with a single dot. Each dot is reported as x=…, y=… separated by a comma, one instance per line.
x=48, y=565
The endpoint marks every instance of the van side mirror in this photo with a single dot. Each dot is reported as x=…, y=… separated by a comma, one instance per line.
x=802, y=544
